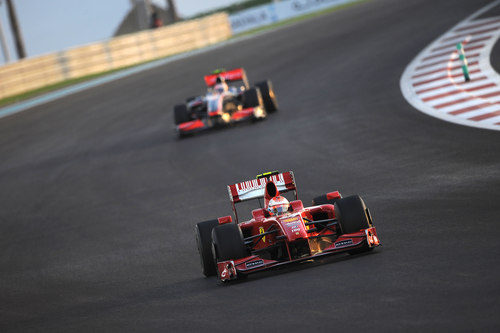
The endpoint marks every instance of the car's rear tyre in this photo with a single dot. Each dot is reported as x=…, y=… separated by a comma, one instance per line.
x=353, y=216
x=203, y=233
x=268, y=95
x=228, y=243
x=181, y=114
x=323, y=200
x=252, y=98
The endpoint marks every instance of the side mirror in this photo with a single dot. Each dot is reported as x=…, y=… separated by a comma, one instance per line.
x=333, y=195
x=225, y=219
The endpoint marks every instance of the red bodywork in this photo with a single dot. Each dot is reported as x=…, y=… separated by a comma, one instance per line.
x=191, y=126
x=287, y=232
x=202, y=124
x=237, y=74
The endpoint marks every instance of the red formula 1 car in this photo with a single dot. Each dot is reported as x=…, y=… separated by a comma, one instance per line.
x=282, y=232
x=224, y=104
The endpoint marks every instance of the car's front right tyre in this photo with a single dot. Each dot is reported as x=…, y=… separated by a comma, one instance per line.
x=203, y=234
x=228, y=242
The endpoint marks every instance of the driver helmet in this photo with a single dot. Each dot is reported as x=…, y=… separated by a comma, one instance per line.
x=220, y=85
x=278, y=206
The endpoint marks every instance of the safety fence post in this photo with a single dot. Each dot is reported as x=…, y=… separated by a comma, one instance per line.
x=465, y=65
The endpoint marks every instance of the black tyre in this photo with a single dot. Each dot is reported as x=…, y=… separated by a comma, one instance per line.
x=252, y=98
x=323, y=200
x=181, y=114
x=352, y=214
x=228, y=243
x=203, y=234
x=268, y=95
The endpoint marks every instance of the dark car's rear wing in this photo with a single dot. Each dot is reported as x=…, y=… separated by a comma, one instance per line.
x=254, y=189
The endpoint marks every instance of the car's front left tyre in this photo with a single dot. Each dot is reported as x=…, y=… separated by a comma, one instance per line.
x=353, y=216
x=268, y=95
x=252, y=98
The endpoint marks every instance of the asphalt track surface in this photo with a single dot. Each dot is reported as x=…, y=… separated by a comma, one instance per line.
x=98, y=199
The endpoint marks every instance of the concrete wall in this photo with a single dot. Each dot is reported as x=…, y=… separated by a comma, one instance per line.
x=32, y=73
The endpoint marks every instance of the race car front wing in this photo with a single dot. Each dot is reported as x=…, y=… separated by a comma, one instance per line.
x=203, y=124
x=231, y=269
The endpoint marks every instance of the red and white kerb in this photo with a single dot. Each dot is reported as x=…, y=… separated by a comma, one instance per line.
x=434, y=82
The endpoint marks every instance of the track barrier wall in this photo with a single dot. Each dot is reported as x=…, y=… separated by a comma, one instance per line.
x=278, y=11
x=127, y=50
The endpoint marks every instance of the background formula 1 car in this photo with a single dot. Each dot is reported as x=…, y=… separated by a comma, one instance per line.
x=332, y=225
x=224, y=104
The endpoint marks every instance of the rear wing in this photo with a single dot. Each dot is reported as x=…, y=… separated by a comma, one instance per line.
x=254, y=189
x=237, y=74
